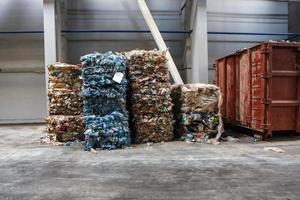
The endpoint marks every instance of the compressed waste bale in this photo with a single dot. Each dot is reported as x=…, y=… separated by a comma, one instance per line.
x=64, y=76
x=197, y=111
x=102, y=88
x=150, y=104
x=65, y=122
x=149, y=101
x=154, y=89
x=103, y=75
x=107, y=132
x=103, y=92
x=65, y=102
x=153, y=127
x=63, y=128
x=104, y=105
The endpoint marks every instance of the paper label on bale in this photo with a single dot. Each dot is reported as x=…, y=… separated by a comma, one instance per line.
x=118, y=77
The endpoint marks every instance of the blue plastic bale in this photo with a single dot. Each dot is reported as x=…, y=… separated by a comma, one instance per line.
x=104, y=106
x=98, y=72
x=105, y=114
x=107, y=132
x=103, y=62
x=102, y=94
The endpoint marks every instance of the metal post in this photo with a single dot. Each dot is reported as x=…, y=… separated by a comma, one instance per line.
x=61, y=40
x=50, y=49
x=199, y=47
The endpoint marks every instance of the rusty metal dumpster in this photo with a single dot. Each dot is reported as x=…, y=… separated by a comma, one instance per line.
x=226, y=80
x=266, y=84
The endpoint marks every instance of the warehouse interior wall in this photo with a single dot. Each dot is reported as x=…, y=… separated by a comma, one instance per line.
x=294, y=22
x=22, y=82
x=247, y=16
x=121, y=15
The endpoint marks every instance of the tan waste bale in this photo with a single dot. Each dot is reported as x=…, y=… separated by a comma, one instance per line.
x=63, y=128
x=65, y=102
x=197, y=111
x=64, y=76
x=150, y=102
x=65, y=121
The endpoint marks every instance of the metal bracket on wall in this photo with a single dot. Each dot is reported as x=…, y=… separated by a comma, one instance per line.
x=265, y=126
x=265, y=76
x=265, y=51
x=266, y=101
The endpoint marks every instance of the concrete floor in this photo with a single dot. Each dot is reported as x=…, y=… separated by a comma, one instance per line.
x=175, y=170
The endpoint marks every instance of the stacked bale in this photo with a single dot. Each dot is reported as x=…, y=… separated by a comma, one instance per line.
x=104, y=91
x=196, y=111
x=150, y=101
x=64, y=128
x=65, y=120
x=65, y=102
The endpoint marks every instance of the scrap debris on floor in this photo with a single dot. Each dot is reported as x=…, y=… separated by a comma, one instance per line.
x=275, y=149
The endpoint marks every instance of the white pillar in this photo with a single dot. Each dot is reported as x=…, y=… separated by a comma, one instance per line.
x=61, y=40
x=199, y=56
x=50, y=49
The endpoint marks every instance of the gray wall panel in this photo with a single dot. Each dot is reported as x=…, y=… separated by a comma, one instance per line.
x=121, y=15
x=22, y=95
x=254, y=16
x=294, y=22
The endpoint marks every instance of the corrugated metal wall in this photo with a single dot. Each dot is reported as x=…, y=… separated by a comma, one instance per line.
x=254, y=16
x=22, y=92
x=121, y=15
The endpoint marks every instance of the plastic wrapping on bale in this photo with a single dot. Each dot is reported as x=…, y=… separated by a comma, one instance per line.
x=65, y=102
x=150, y=102
x=104, y=91
x=64, y=76
x=107, y=132
x=65, y=128
x=197, y=111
